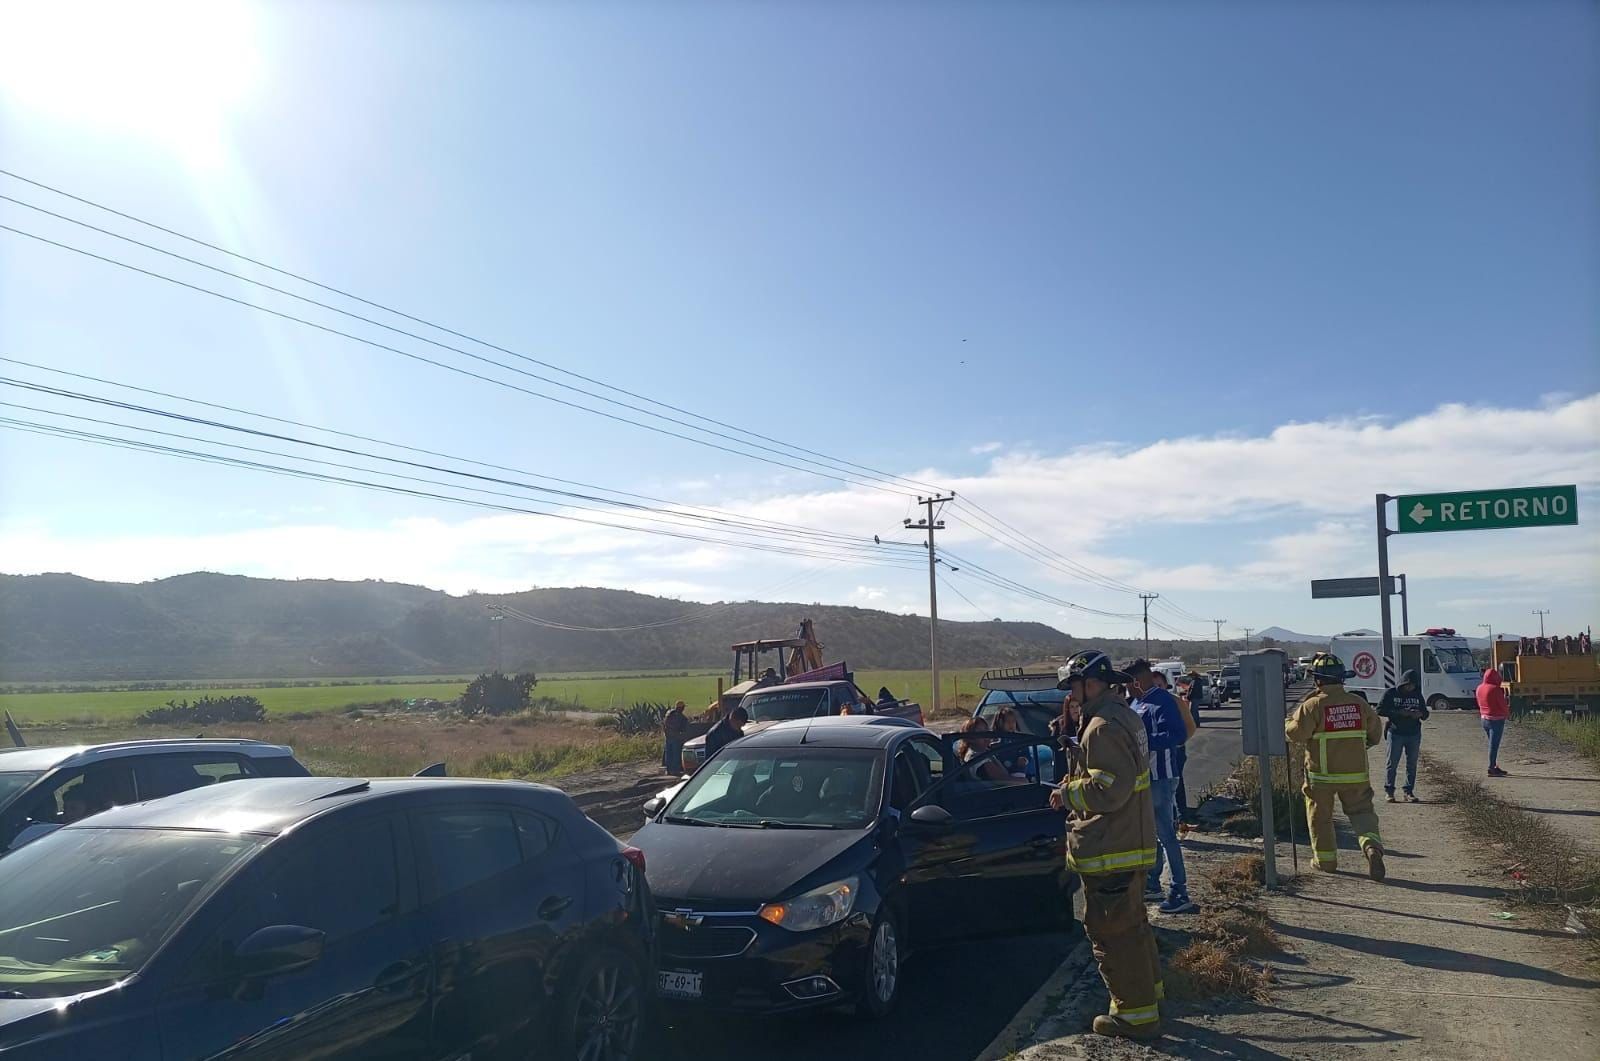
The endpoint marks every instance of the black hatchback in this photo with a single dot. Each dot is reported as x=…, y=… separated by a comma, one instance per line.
x=800, y=865
x=329, y=918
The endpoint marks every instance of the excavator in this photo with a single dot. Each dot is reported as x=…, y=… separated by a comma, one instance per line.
x=801, y=654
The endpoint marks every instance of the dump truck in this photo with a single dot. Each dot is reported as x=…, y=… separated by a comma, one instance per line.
x=1549, y=674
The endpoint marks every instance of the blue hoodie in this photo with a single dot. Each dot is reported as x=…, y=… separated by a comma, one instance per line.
x=1163, y=725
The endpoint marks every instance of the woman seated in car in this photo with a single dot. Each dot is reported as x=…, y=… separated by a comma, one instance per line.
x=972, y=746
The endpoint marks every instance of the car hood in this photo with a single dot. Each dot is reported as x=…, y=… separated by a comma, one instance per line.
x=741, y=868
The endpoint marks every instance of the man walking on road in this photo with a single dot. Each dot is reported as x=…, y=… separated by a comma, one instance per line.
x=1494, y=707
x=1111, y=844
x=673, y=729
x=1334, y=729
x=1403, y=709
x=1166, y=735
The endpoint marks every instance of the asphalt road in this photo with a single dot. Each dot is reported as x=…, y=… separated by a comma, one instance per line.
x=953, y=1002
x=1213, y=750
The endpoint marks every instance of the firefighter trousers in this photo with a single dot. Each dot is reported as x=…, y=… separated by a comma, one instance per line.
x=1356, y=797
x=1124, y=946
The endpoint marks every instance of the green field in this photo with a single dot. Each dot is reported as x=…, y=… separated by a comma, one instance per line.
x=589, y=692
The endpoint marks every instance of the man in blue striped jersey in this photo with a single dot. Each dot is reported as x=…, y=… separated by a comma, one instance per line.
x=1163, y=725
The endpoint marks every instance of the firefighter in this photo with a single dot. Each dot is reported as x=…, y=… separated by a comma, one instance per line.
x=1336, y=728
x=1111, y=844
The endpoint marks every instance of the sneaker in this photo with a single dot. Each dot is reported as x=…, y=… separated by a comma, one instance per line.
x=1495, y=771
x=1177, y=903
x=1411, y=797
x=1118, y=1028
x=1375, y=868
x=1388, y=795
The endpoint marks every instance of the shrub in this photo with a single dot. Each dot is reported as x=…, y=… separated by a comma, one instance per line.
x=639, y=718
x=498, y=694
x=208, y=710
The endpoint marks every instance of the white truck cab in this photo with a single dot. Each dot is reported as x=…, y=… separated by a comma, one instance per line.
x=1449, y=674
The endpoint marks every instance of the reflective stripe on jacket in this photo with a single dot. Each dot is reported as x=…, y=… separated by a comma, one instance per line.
x=1112, y=826
x=1335, y=728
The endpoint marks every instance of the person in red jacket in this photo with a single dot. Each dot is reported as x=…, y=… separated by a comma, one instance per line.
x=1494, y=707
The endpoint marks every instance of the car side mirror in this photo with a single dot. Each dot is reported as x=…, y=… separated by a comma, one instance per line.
x=932, y=816
x=277, y=949
x=653, y=805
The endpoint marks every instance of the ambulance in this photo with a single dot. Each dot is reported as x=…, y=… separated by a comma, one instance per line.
x=1449, y=674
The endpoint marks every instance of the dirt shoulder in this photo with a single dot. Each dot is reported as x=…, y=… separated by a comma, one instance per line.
x=1549, y=779
x=1426, y=965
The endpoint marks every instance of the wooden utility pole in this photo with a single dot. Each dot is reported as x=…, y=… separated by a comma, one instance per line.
x=1147, y=598
x=930, y=524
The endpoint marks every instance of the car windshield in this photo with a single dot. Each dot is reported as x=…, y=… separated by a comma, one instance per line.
x=1230, y=672
x=1037, y=708
x=11, y=784
x=84, y=908
x=780, y=705
x=818, y=788
x=1456, y=660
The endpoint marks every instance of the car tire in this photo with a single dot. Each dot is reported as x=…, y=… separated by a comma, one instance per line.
x=1439, y=703
x=603, y=1009
x=880, y=985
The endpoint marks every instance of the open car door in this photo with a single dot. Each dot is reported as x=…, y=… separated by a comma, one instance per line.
x=1006, y=871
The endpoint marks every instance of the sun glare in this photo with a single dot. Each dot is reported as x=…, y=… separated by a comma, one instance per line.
x=167, y=71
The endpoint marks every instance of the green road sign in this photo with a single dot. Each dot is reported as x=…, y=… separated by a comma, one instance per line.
x=1523, y=506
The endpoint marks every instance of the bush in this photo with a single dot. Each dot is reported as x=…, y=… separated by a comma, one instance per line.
x=498, y=694
x=208, y=710
x=639, y=718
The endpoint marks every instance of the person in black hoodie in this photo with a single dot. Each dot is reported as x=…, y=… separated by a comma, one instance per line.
x=1404, y=711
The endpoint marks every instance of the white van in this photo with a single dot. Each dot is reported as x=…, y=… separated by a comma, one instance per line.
x=1449, y=674
x=1173, y=669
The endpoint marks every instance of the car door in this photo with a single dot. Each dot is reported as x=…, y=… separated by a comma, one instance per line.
x=1013, y=876
x=501, y=889
x=365, y=997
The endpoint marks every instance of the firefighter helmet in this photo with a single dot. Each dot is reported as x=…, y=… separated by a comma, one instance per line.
x=1326, y=667
x=1091, y=664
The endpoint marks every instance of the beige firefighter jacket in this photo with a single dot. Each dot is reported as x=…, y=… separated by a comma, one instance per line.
x=1334, y=728
x=1111, y=828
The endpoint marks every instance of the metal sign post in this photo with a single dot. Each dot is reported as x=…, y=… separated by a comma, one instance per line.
x=1261, y=724
x=1384, y=588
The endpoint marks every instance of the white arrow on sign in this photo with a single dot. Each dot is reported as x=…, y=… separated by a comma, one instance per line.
x=1419, y=513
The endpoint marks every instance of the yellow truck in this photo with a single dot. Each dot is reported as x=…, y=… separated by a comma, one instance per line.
x=1548, y=680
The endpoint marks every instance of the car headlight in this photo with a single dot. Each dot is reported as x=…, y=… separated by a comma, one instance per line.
x=818, y=908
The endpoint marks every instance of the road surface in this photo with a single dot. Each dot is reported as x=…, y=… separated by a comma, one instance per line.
x=953, y=1002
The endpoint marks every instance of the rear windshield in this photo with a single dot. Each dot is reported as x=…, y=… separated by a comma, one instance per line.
x=815, y=788
x=1036, y=708
x=780, y=705
x=84, y=908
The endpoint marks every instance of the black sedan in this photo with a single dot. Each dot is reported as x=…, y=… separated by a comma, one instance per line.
x=801, y=865
x=328, y=918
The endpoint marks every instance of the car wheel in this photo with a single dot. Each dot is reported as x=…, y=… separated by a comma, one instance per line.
x=881, y=985
x=1439, y=703
x=602, y=1011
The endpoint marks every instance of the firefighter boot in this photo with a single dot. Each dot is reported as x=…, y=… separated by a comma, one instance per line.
x=1117, y=1028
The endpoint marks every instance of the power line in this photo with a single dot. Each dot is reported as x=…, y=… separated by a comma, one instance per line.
x=836, y=477
x=303, y=473
x=784, y=533
x=786, y=446
x=417, y=449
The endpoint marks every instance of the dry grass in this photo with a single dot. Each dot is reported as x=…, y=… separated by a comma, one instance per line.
x=1239, y=878
x=1239, y=929
x=1244, y=784
x=1208, y=969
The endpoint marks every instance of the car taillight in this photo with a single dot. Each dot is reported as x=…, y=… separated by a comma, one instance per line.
x=634, y=856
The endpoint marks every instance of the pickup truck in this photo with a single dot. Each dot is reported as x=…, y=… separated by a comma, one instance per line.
x=1228, y=684
x=784, y=703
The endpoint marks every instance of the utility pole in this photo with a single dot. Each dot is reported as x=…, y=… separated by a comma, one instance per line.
x=1247, y=630
x=1219, y=623
x=931, y=524
x=1541, y=613
x=499, y=621
x=1147, y=598
x=1488, y=632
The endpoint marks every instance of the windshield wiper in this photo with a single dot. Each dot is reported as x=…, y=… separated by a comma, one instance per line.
x=8, y=993
x=676, y=819
x=768, y=823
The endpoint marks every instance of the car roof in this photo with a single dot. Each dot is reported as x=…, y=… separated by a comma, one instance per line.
x=789, y=687
x=81, y=754
x=834, y=731
x=273, y=805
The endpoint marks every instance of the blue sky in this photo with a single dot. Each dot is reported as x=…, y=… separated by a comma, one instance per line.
x=1081, y=262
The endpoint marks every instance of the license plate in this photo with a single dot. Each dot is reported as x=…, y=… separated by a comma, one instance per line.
x=678, y=984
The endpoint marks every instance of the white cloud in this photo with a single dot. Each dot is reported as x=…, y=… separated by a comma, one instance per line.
x=984, y=448
x=1311, y=483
